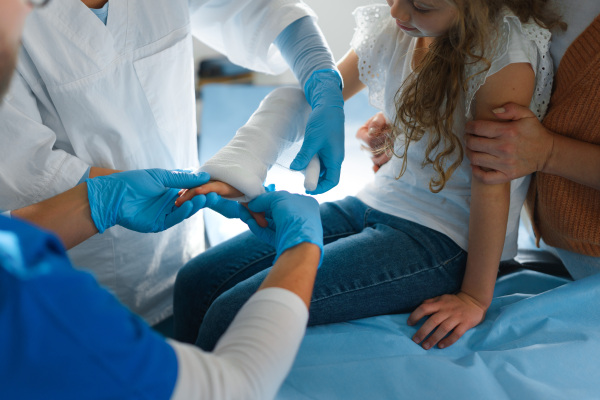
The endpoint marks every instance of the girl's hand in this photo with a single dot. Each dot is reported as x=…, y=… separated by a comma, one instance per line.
x=373, y=134
x=450, y=315
x=222, y=189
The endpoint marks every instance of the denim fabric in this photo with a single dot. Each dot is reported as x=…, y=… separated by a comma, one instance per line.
x=373, y=264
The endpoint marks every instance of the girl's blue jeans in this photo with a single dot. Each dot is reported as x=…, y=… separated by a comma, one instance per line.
x=373, y=264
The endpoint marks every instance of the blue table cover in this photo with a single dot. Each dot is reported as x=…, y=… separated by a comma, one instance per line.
x=539, y=340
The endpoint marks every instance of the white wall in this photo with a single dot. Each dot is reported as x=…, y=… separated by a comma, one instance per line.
x=336, y=21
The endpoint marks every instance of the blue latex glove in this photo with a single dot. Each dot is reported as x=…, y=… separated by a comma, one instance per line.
x=227, y=208
x=143, y=200
x=292, y=218
x=325, y=128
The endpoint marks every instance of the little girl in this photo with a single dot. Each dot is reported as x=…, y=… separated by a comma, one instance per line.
x=423, y=236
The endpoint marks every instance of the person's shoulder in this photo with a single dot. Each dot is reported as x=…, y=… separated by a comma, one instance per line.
x=512, y=31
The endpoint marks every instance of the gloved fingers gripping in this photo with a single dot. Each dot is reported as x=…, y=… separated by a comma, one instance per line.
x=185, y=211
x=179, y=179
x=177, y=215
x=267, y=234
x=327, y=181
x=264, y=202
x=228, y=208
x=302, y=158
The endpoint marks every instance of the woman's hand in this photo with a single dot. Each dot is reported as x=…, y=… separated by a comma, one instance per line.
x=516, y=145
x=450, y=316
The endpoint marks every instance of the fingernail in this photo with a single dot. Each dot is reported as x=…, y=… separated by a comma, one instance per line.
x=499, y=110
x=441, y=345
x=371, y=131
x=426, y=346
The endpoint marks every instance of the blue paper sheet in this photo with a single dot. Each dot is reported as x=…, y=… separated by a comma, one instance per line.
x=539, y=340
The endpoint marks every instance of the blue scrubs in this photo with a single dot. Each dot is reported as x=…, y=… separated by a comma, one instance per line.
x=64, y=337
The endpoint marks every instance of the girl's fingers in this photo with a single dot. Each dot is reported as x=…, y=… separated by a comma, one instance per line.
x=429, y=326
x=440, y=332
x=456, y=334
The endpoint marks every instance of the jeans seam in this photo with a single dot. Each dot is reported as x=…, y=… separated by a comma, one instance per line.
x=343, y=234
x=441, y=265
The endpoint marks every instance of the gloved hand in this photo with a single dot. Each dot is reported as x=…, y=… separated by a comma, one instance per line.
x=227, y=208
x=325, y=128
x=143, y=200
x=292, y=218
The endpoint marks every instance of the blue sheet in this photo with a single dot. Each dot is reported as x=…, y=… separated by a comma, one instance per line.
x=539, y=340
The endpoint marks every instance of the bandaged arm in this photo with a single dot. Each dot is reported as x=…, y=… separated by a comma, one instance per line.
x=254, y=355
x=277, y=124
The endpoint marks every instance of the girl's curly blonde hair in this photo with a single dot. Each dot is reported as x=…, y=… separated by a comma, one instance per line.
x=429, y=96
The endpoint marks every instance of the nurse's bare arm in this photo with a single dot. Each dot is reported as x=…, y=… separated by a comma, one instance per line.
x=68, y=215
x=520, y=145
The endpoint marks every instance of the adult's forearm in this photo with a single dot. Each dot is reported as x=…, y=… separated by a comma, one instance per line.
x=295, y=270
x=575, y=160
x=67, y=215
x=97, y=171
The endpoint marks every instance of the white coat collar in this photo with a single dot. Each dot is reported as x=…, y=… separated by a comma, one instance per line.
x=77, y=21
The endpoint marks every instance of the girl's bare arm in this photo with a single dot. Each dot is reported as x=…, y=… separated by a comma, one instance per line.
x=348, y=67
x=453, y=315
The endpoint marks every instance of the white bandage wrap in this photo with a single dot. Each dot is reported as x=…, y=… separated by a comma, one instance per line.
x=277, y=126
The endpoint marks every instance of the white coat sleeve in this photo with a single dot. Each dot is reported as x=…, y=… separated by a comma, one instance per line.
x=244, y=30
x=277, y=125
x=254, y=355
x=32, y=168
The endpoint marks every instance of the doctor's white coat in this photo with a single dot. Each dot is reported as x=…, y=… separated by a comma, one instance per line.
x=122, y=96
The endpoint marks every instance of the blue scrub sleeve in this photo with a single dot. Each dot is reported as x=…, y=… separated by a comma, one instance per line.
x=304, y=48
x=63, y=336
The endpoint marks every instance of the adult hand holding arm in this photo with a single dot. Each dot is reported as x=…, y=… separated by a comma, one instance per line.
x=520, y=145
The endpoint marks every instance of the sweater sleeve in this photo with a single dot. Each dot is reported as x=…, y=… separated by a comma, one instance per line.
x=254, y=355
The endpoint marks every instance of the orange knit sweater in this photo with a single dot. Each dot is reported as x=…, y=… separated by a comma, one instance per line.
x=564, y=213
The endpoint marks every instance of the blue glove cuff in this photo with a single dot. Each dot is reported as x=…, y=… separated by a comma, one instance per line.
x=104, y=208
x=324, y=87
